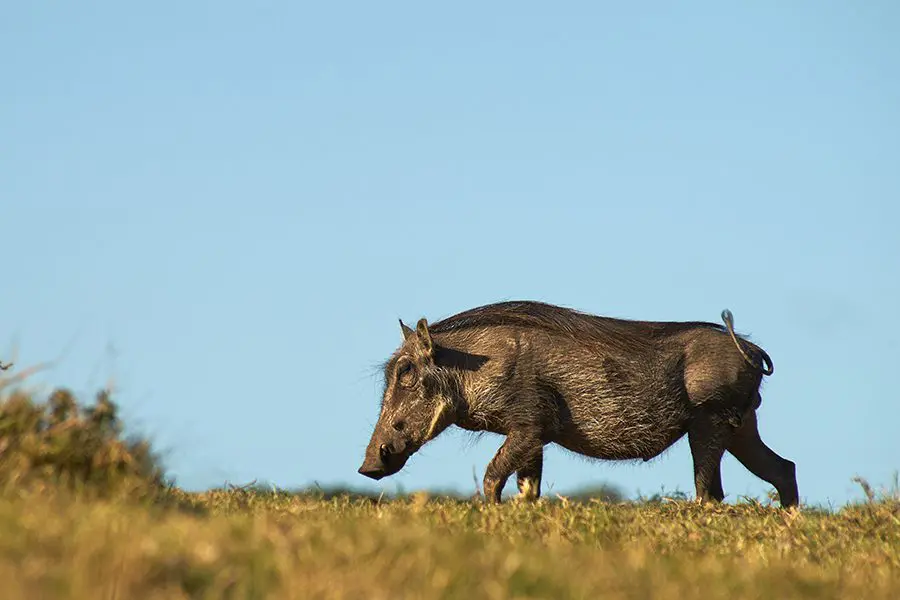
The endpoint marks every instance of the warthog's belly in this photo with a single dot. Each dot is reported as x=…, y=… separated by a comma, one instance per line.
x=623, y=428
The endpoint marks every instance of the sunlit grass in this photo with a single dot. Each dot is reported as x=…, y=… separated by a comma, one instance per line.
x=257, y=545
x=86, y=515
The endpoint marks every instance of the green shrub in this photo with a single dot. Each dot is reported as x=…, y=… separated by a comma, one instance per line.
x=60, y=442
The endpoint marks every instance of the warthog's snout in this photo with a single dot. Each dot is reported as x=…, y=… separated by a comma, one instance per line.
x=387, y=460
x=375, y=472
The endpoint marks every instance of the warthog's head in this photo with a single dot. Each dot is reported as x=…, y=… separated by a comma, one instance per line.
x=417, y=404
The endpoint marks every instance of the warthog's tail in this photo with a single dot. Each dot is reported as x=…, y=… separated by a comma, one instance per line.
x=766, y=367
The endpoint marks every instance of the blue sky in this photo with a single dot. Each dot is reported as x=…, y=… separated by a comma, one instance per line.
x=226, y=206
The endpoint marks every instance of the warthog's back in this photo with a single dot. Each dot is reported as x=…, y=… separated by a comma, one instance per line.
x=611, y=333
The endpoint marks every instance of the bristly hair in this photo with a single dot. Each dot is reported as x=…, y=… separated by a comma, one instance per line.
x=624, y=333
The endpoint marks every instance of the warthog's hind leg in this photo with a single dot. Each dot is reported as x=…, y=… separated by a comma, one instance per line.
x=762, y=461
x=716, y=491
x=707, y=437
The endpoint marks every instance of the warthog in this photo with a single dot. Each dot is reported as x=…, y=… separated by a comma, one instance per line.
x=601, y=387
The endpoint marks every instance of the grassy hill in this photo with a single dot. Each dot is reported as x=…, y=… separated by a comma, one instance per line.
x=85, y=514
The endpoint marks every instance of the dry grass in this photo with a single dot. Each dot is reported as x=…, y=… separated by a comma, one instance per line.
x=252, y=545
x=59, y=540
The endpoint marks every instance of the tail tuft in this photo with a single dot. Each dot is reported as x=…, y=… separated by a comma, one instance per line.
x=767, y=368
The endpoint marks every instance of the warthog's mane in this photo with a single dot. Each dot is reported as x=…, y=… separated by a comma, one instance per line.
x=624, y=333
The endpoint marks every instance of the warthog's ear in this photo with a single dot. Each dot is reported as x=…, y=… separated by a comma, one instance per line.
x=424, y=336
x=406, y=330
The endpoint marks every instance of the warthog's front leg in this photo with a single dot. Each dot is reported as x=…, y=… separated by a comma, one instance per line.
x=522, y=452
x=528, y=477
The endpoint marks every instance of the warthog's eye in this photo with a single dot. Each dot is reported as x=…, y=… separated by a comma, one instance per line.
x=406, y=373
x=399, y=425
